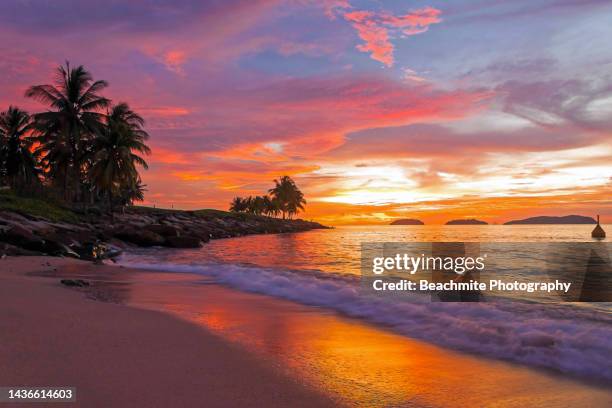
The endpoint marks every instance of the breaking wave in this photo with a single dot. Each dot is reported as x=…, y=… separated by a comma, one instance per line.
x=568, y=339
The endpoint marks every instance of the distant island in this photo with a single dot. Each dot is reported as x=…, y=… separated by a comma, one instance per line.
x=407, y=221
x=471, y=221
x=568, y=219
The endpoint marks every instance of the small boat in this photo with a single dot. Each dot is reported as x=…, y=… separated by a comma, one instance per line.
x=598, y=232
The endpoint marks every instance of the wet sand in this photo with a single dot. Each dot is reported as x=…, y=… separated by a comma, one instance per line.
x=303, y=354
x=119, y=356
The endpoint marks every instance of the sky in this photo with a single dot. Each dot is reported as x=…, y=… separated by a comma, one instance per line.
x=379, y=110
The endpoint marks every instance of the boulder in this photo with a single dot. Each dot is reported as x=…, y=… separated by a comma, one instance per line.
x=21, y=237
x=75, y=282
x=56, y=248
x=11, y=250
x=202, y=233
x=164, y=230
x=140, y=237
x=185, y=241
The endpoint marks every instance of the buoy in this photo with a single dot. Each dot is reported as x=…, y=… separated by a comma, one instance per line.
x=598, y=232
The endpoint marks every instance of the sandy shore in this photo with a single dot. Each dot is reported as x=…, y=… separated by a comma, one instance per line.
x=168, y=339
x=118, y=356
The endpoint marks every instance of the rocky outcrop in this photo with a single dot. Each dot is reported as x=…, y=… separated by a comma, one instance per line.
x=164, y=230
x=139, y=236
x=467, y=222
x=407, y=221
x=22, y=237
x=568, y=219
x=100, y=236
x=185, y=241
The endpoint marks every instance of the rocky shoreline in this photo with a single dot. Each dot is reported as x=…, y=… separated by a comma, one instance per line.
x=99, y=236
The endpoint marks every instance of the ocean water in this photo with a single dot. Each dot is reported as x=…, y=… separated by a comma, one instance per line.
x=322, y=268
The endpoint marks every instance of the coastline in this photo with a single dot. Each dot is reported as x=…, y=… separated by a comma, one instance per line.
x=256, y=346
x=34, y=227
x=123, y=356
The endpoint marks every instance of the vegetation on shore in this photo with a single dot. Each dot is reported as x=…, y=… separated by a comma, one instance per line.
x=30, y=226
x=36, y=207
x=63, y=168
x=83, y=150
x=285, y=199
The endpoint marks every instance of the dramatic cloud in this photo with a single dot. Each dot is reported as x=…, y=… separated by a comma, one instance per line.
x=376, y=29
x=487, y=121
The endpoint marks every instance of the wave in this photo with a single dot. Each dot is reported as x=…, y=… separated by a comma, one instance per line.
x=567, y=339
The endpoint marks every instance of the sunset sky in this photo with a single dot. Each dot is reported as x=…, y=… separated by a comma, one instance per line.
x=378, y=109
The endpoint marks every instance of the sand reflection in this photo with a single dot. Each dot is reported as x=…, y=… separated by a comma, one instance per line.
x=360, y=364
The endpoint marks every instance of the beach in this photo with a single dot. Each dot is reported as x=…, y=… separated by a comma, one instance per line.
x=119, y=356
x=140, y=338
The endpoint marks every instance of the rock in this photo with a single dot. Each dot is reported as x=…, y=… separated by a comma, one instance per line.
x=11, y=250
x=141, y=237
x=163, y=230
x=22, y=237
x=202, y=233
x=74, y=282
x=56, y=248
x=185, y=241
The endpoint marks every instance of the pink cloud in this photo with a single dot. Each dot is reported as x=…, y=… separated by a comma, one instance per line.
x=331, y=7
x=375, y=36
x=414, y=22
x=174, y=60
x=376, y=29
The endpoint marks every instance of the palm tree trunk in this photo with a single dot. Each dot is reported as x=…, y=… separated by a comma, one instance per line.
x=65, y=183
x=110, y=206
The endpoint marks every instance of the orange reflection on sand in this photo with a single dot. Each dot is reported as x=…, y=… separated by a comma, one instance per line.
x=359, y=364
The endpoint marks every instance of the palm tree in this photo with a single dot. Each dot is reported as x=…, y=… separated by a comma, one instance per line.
x=18, y=162
x=296, y=203
x=114, y=158
x=288, y=196
x=68, y=128
x=238, y=204
x=250, y=204
x=132, y=192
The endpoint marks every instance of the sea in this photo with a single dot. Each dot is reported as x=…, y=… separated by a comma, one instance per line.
x=323, y=268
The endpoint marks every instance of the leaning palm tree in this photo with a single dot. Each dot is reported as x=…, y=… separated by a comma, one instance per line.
x=67, y=129
x=115, y=153
x=18, y=163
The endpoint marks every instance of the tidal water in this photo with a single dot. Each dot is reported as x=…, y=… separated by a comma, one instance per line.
x=323, y=268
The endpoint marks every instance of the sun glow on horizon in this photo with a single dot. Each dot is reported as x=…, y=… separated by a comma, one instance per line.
x=498, y=175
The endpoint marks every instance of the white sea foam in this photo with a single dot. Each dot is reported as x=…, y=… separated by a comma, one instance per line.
x=558, y=337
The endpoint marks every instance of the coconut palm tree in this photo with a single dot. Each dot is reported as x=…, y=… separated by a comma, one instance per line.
x=296, y=203
x=238, y=204
x=18, y=164
x=115, y=153
x=288, y=196
x=132, y=192
x=73, y=120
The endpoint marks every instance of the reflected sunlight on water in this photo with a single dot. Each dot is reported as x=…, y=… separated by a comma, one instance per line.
x=321, y=267
x=338, y=250
x=359, y=364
